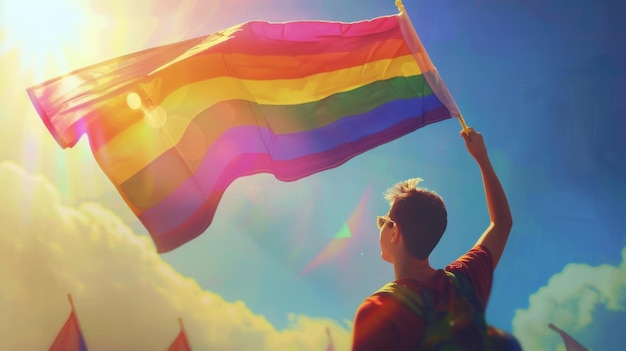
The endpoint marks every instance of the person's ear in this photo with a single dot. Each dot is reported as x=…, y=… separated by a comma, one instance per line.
x=395, y=235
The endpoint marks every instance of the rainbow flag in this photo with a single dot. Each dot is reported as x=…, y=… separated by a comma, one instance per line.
x=173, y=126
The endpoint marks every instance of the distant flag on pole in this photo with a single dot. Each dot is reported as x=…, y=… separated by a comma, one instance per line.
x=330, y=346
x=173, y=126
x=70, y=338
x=181, y=343
x=570, y=343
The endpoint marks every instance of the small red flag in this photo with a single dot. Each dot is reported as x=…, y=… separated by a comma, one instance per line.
x=70, y=338
x=181, y=343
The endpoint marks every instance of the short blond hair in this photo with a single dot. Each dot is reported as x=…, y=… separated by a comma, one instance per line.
x=401, y=188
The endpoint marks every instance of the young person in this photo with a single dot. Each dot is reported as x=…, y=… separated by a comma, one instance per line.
x=435, y=309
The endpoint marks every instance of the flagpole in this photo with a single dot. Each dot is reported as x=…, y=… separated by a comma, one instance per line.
x=401, y=9
x=331, y=346
x=462, y=121
x=69, y=297
x=400, y=6
x=182, y=327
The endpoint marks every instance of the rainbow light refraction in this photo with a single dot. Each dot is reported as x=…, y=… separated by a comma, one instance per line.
x=343, y=238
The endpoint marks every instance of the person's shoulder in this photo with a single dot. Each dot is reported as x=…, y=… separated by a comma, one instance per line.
x=476, y=268
x=376, y=309
x=479, y=250
x=381, y=303
x=377, y=300
x=479, y=254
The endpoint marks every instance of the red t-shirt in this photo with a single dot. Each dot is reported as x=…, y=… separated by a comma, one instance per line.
x=382, y=322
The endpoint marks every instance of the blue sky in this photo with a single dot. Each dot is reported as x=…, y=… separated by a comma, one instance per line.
x=544, y=81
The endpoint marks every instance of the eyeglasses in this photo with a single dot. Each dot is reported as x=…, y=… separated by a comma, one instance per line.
x=382, y=220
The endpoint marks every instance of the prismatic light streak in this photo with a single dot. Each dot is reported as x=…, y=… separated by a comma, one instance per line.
x=344, y=236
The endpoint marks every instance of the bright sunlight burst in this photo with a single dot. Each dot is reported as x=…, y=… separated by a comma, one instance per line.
x=44, y=33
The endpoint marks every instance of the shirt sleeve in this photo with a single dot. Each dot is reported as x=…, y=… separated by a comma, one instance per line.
x=477, y=266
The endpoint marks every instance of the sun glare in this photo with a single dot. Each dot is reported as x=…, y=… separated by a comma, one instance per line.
x=44, y=33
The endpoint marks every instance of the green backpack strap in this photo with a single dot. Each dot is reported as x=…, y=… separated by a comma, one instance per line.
x=460, y=283
x=413, y=300
x=437, y=335
x=407, y=296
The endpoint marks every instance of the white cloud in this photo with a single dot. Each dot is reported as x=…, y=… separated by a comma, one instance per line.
x=126, y=296
x=569, y=300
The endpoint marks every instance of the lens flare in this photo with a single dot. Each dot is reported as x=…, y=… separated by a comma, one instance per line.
x=344, y=237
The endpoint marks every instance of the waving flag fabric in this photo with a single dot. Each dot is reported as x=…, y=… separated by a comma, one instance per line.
x=70, y=338
x=174, y=126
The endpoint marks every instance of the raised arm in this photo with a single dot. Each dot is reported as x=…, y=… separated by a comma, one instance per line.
x=497, y=233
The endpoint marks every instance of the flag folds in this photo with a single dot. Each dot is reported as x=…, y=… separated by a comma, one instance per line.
x=173, y=126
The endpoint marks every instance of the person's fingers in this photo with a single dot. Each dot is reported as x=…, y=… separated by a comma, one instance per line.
x=467, y=134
